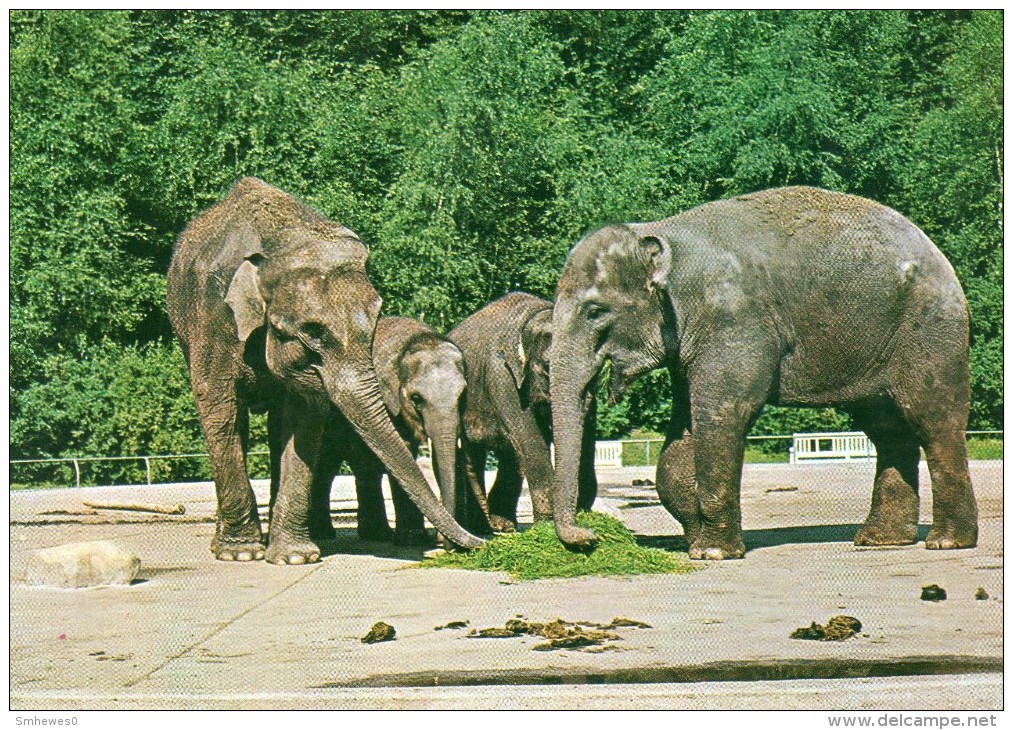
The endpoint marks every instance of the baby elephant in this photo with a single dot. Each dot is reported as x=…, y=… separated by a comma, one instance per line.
x=422, y=379
x=506, y=409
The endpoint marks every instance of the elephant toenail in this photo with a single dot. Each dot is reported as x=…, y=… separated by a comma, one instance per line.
x=244, y=556
x=226, y=556
x=296, y=559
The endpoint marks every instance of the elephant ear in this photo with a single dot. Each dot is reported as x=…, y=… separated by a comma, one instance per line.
x=244, y=298
x=515, y=358
x=657, y=255
x=390, y=387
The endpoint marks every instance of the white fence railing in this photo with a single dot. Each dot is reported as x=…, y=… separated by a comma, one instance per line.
x=841, y=446
x=805, y=447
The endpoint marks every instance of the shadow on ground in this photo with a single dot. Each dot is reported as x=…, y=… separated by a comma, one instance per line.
x=774, y=537
x=347, y=542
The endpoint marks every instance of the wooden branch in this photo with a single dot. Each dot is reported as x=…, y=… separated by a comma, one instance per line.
x=129, y=507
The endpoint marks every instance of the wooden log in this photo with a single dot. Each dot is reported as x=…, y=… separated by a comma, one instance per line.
x=138, y=507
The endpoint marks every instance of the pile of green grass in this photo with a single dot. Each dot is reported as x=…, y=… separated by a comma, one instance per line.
x=538, y=553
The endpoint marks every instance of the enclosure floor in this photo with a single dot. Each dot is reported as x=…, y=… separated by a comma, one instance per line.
x=198, y=633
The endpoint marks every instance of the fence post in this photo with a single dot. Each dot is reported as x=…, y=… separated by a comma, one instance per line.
x=147, y=468
x=77, y=473
x=647, y=453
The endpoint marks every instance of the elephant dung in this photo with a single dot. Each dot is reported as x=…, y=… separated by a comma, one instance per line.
x=379, y=632
x=83, y=565
x=933, y=593
x=560, y=634
x=981, y=594
x=452, y=625
x=838, y=628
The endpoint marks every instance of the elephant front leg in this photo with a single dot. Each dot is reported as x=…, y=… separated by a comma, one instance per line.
x=290, y=541
x=535, y=464
x=727, y=391
x=472, y=506
x=676, y=483
x=505, y=492
x=587, y=479
x=676, y=472
x=718, y=457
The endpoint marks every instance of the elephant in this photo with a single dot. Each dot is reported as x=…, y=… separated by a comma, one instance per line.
x=272, y=306
x=793, y=296
x=506, y=410
x=422, y=379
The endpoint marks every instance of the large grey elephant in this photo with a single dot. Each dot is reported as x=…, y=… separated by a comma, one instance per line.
x=506, y=410
x=274, y=311
x=422, y=379
x=793, y=296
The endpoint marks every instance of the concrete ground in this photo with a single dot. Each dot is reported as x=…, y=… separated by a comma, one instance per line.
x=197, y=633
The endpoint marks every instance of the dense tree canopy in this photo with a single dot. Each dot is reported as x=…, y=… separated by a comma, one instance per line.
x=470, y=150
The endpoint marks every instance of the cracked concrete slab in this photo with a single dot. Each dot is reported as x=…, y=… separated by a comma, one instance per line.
x=202, y=633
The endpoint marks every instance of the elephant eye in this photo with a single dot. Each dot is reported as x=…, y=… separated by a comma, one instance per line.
x=416, y=399
x=313, y=330
x=595, y=312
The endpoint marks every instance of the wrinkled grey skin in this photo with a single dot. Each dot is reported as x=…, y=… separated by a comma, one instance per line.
x=793, y=296
x=507, y=411
x=422, y=379
x=274, y=312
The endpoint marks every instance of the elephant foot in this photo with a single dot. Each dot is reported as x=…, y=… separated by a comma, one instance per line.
x=702, y=549
x=576, y=538
x=375, y=532
x=240, y=545
x=502, y=524
x=414, y=537
x=872, y=535
x=951, y=538
x=294, y=552
x=241, y=552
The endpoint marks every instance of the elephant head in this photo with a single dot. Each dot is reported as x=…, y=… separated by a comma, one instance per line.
x=319, y=316
x=423, y=383
x=610, y=306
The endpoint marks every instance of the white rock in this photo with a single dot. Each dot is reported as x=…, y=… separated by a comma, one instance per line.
x=83, y=565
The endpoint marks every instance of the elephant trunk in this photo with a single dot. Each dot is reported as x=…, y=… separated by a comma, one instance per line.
x=567, y=387
x=358, y=397
x=443, y=431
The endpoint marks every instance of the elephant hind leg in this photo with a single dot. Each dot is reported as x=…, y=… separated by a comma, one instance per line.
x=954, y=508
x=409, y=525
x=321, y=526
x=225, y=422
x=893, y=516
x=935, y=404
x=371, y=513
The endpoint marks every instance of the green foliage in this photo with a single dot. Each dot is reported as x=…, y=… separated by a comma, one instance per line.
x=538, y=553
x=115, y=400
x=470, y=150
x=984, y=448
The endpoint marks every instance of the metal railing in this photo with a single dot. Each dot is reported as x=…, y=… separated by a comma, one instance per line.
x=608, y=453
